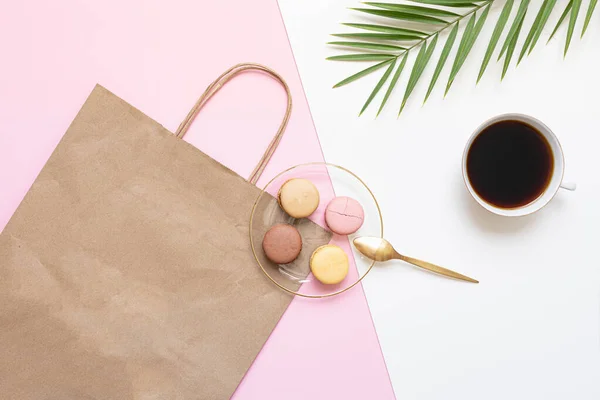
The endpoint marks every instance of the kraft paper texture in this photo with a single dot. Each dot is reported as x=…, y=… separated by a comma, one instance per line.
x=127, y=273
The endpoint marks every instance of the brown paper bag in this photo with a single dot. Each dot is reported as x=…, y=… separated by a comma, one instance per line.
x=127, y=273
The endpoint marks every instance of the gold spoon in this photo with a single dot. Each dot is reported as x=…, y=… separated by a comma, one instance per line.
x=379, y=249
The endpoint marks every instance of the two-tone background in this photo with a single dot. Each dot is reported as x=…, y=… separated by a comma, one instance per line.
x=529, y=330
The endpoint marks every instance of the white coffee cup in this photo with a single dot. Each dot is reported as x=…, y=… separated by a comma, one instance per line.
x=556, y=179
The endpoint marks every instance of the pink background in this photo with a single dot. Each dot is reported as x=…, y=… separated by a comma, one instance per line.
x=159, y=56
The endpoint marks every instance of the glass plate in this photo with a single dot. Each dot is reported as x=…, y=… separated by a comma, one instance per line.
x=295, y=277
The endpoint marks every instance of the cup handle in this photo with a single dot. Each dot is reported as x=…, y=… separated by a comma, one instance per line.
x=568, y=186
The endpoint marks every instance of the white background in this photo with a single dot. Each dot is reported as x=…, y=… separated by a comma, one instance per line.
x=531, y=328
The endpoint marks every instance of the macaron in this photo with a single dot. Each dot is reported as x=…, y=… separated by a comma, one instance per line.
x=282, y=243
x=344, y=215
x=329, y=264
x=298, y=197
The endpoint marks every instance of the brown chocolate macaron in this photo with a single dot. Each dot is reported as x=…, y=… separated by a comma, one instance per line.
x=282, y=243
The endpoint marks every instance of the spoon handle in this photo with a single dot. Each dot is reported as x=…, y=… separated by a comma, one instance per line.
x=435, y=268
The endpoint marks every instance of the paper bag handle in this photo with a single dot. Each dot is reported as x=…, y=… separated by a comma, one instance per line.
x=216, y=85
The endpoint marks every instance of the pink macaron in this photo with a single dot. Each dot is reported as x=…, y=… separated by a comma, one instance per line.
x=344, y=215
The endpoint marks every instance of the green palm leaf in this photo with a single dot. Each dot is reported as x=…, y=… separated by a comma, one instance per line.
x=461, y=51
x=443, y=57
x=386, y=29
x=534, y=29
x=363, y=57
x=477, y=29
x=515, y=26
x=420, y=64
x=378, y=36
x=545, y=10
x=393, y=82
x=511, y=48
x=368, y=46
x=495, y=36
x=572, y=20
x=561, y=19
x=406, y=16
x=362, y=73
x=588, y=16
x=468, y=39
x=378, y=86
x=417, y=25
x=449, y=3
x=436, y=12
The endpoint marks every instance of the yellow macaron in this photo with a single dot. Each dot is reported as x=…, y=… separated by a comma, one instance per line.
x=329, y=264
x=298, y=197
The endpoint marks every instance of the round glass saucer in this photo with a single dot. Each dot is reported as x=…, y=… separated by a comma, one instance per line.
x=331, y=180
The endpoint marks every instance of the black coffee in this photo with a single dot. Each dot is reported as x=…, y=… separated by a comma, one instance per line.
x=509, y=164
